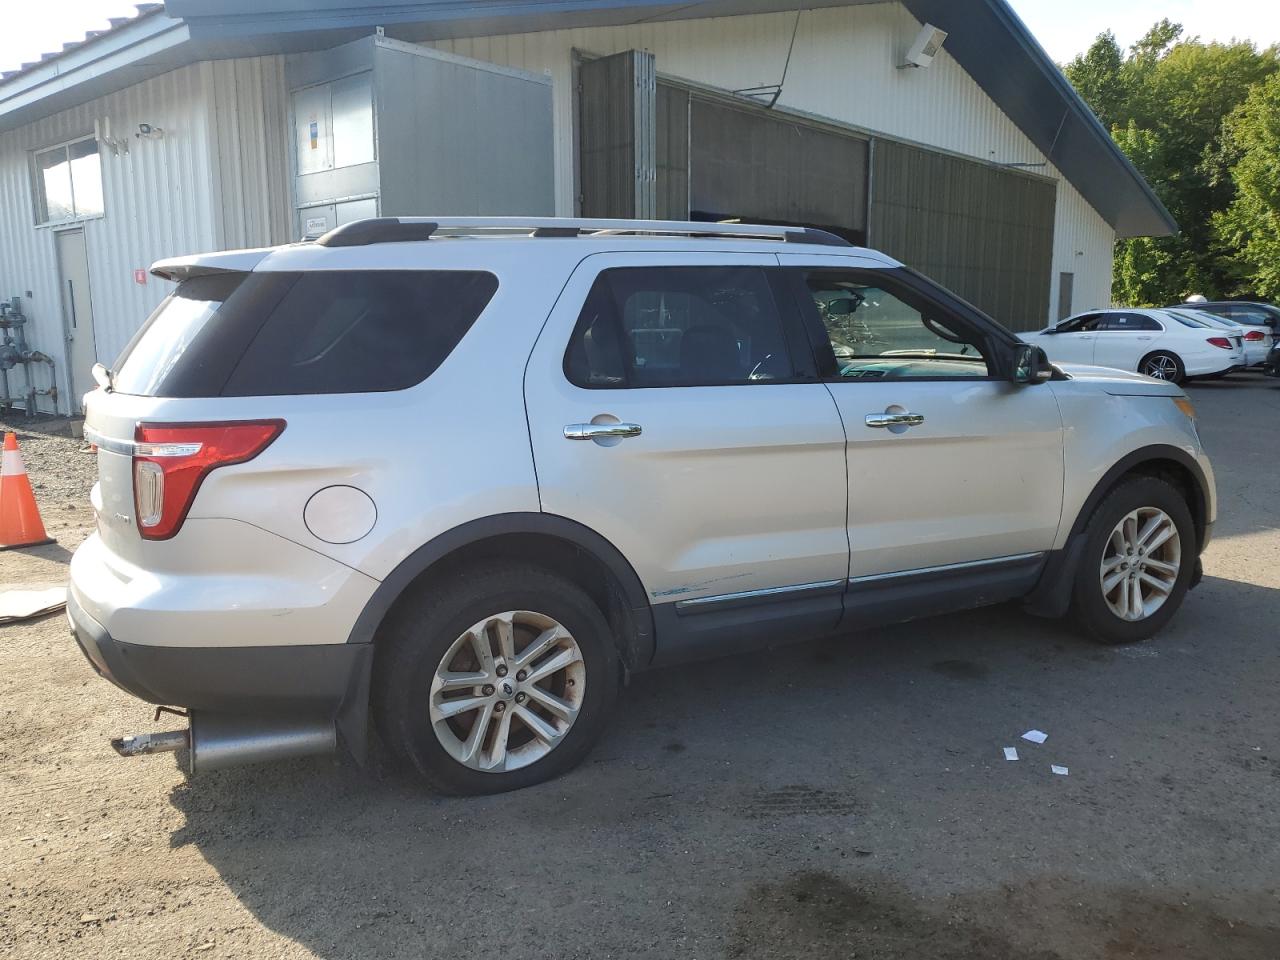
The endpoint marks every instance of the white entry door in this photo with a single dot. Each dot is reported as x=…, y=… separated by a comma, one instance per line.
x=77, y=314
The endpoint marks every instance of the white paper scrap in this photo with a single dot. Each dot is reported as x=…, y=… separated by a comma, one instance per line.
x=1060, y=771
x=1035, y=736
x=1010, y=753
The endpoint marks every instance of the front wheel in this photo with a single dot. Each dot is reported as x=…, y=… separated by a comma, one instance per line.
x=1138, y=560
x=1163, y=365
x=497, y=678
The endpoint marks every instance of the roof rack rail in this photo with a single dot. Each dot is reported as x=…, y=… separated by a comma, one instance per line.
x=397, y=229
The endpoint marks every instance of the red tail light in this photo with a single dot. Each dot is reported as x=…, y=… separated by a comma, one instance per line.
x=1222, y=342
x=1253, y=336
x=171, y=460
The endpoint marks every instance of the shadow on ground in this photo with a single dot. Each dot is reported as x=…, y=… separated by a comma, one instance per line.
x=840, y=798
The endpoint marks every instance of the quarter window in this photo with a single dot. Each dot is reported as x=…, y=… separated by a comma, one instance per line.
x=678, y=327
x=882, y=334
x=285, y=333
x=68, y=182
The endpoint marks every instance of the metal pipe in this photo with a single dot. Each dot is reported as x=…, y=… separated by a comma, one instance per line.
x=144, y=744
x=15, y=350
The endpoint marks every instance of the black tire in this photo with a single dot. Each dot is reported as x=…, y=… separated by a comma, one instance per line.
x=411, y=648
x=1089, y=606
x=1162, y=358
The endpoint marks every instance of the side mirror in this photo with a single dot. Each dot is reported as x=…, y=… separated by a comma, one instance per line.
x=1031, y=365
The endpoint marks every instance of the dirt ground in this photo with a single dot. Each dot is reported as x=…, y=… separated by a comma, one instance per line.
x=835, y=799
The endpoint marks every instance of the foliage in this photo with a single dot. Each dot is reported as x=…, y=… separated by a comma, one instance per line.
x=1250, y=225
x=1164, y=102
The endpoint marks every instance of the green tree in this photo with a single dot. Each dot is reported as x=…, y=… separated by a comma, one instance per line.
x=1164, y=103
x=1250, y=225
x=1098, y=75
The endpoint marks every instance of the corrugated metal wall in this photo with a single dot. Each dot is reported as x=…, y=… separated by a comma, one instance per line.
x=751, y=163
x=843, y=68
x=671, y=152
x=981, y=231
x=209, y=182
x=250, y=114
x=460, y=138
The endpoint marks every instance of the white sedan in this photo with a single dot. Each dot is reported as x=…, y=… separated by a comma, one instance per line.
x=1158, y=343
x=1257, y=340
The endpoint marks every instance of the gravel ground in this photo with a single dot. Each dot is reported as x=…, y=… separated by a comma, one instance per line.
x=836, y=799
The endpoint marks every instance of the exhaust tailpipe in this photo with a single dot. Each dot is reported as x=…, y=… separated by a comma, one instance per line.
x=216, y=741
x=142, y=744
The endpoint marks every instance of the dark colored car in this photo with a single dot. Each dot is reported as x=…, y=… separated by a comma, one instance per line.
x=1271, y=365
x=1242, y=311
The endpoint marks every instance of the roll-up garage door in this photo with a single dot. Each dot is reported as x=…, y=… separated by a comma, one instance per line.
x=984, y=232
x=747, y=163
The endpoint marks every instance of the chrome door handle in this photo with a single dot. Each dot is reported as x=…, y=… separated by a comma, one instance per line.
x=1143, y=338
x=601, y=431
x=894, y=419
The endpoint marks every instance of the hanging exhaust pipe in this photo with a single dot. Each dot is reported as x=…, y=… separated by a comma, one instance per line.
x=216, y=741
x=144, y=744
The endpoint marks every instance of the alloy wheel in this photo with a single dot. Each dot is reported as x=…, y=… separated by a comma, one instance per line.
x=507, y=691
x=1140, y=563
x=1161, y=368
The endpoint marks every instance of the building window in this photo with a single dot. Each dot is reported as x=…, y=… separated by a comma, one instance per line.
x=68, y=182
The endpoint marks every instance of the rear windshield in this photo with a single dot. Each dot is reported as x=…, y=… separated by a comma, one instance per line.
x=280, y=334
x=1186, y=319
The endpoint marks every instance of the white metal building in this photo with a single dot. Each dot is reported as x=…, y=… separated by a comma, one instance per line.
x=215, y=124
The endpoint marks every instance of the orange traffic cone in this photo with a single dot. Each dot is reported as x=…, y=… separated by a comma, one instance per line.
x=20, y=524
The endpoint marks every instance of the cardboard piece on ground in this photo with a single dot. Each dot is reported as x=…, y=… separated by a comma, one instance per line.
x=1035, y=736
x=1010, y=753
x=26, y=604
x=1060, y=771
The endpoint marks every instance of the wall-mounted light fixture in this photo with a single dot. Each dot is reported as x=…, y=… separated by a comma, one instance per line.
x=924, y=48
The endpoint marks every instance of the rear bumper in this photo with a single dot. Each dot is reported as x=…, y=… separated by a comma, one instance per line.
x=1208, y=366
x=316, y=682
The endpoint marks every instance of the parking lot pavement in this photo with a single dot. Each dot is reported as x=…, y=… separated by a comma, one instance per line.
x=830, y=799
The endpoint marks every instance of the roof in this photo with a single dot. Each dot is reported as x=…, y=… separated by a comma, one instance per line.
x=984, y=36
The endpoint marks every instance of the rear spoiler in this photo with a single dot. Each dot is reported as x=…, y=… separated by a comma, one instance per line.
x=178, y=269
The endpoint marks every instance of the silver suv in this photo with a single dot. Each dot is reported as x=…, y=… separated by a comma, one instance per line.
x=463, y=476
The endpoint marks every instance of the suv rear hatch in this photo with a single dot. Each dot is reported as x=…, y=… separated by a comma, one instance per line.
x=218, y=371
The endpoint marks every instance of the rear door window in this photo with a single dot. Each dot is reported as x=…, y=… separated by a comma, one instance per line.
x=1253, y=313
x=290, y=333
x=1083, y=324
x=1112, y=322
x=679, y=327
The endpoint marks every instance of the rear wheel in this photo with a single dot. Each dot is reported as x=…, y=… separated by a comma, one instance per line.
x=1138, y=560
x=1163, y=365
x=497, y=678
